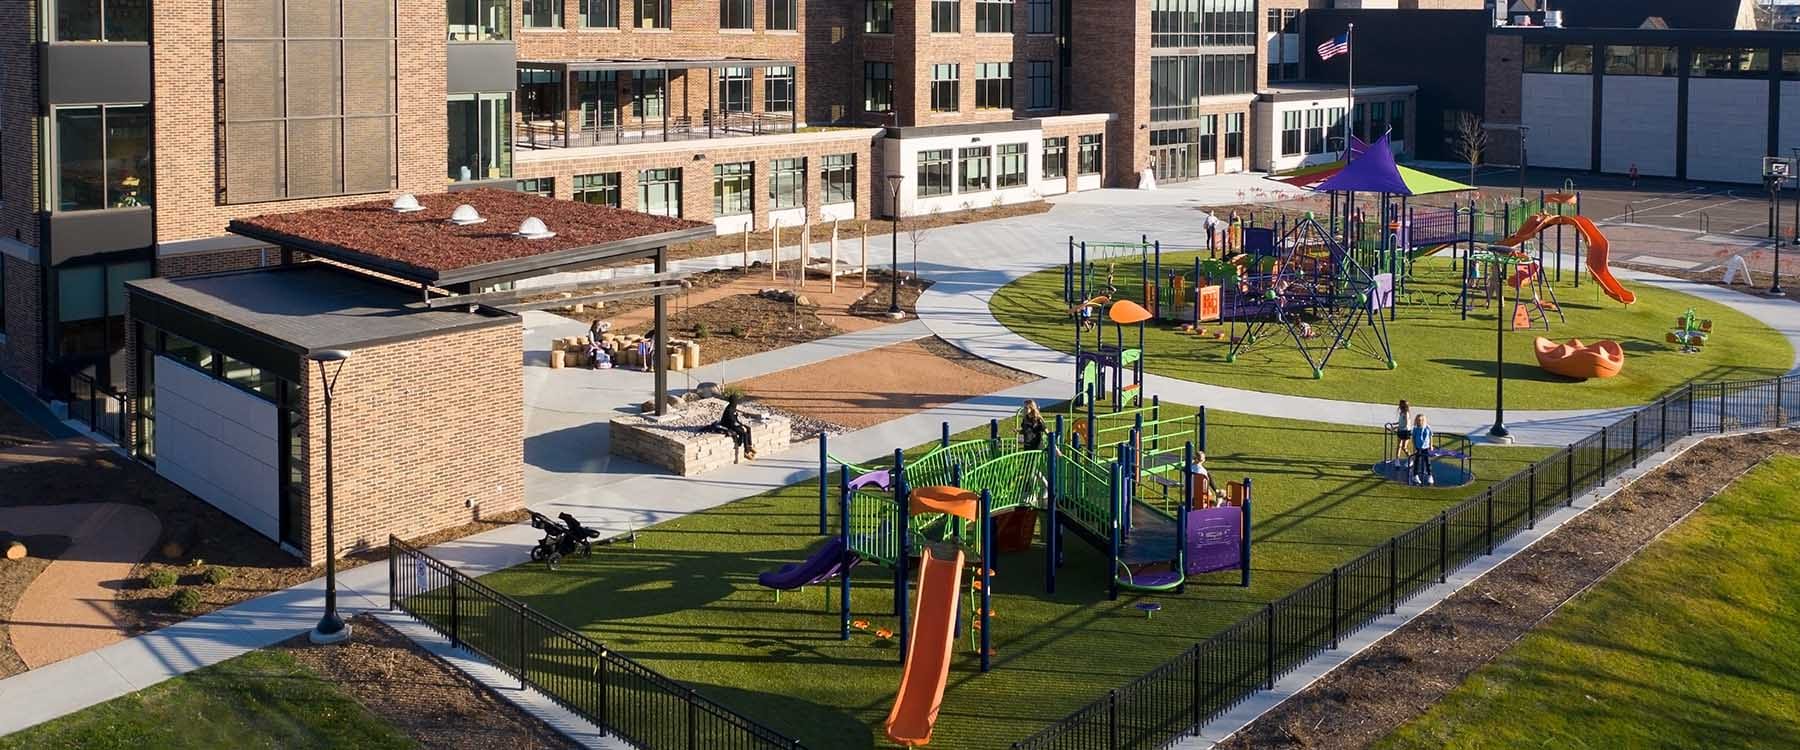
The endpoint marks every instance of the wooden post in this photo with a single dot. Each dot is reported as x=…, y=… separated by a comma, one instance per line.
x=774, y=248
x=746, y=248
x=805, y=251
x=834, y=248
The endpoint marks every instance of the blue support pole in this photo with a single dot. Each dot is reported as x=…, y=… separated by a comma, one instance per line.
x=1202, y=429
x=1244, y=543
x=1181, y=545
x=824, y=476
x=1124, y=465
x=904, y=558
x=993, y=430
x=844, y=540
x=1156, y=423
x=1113, y=540
x=1069, y=275
x=944, y=439
x=1052, y=525
x=987, y=574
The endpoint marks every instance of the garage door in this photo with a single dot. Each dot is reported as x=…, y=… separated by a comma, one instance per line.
x=218, y=442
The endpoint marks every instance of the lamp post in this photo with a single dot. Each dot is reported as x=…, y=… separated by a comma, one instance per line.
x=894, y=183
x=331, y=628
x=1523, y=130
x=1499, y=432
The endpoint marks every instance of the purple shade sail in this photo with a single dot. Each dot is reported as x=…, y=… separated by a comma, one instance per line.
x=1372, y=171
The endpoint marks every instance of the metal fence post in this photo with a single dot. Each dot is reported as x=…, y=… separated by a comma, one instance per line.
x=1194, y=659
x=524, y=648
x=1634, y=438
x=1393, y=573
x=1112, y=718
x=1689, y=430
x=600, y=710
x=455, y=620
x=1662, y=424
x=1443, y=547
x=1269, y=645
x=1335, y=609
x=1569, y=475
x=393, y=574
x=693, y=722
x=1531, y=497
x=1605, y=455
x=1721, y=408
x=1490, y=520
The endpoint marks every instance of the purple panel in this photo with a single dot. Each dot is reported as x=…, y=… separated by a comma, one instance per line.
x=1381, y=297
x=1214, y=539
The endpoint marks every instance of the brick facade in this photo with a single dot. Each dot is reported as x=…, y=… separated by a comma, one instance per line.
x=427, y=434
x=21, y=354
x=188, y=149
x=1505, y=84
x=195, y=264
x=696, y=164
x=19, y=199
x=1113, y=75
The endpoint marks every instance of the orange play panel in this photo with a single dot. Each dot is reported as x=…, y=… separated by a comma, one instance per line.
x=943, y=498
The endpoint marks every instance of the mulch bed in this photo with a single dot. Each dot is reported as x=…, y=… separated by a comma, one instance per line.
x=1404, y=674
x=420, y=694
x=875, y=303
x=744, y=324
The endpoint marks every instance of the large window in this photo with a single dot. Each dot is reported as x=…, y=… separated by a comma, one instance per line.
x=542, y=14
x=309, y=98
x=597, y=97
x=734, y=89
x=838, y=177
x=1040, y=16
x=878, y=87
x=480, y=130
x=935, y=172
x=1559, y=58
x=1290, y=133
x=736, y=14
x=1043, y=89
x=1640, y=60
x=1011, y=170
x=1736, y=62
x=975, y=168
x=599, y=14
x=102, y=157
x=1177, y=82
x=946, y=16
x=787, y=182
x=1056, y=157
x=90, y=318
x=99, y=20
x=778, y=89
x=1397, y=120
x=651, y=14
x=946, y=93
x=1203, y=23
x=544, y=187
x=1315, y=131
x=1207, y=136
x=993, y=85
x=1378, y=119
x=647, y=93
x=600, y=189
x=993, y=16
x=1284, y=44
x=878, y=16
x=734, y=188
x=784, y=15
x=659, y=191
x=481, y=20
x=1234, y=135
x=1790, y=65
x=1088, y=157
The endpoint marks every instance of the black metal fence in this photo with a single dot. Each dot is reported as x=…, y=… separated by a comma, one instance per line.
x=624, y=698
x=93, y=405
x=1215, y=675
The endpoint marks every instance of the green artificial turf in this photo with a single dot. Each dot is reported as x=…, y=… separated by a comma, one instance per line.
x=1443, y=360
x=263, y=699
x=1689, y=645
x=686, y=601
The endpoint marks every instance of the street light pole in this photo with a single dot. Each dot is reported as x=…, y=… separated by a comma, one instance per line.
x=1523, y=130
x=894, y=182
x=1499, y=431
x=331, y=628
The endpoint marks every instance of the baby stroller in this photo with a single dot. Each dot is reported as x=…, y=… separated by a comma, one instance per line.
x=563, y=538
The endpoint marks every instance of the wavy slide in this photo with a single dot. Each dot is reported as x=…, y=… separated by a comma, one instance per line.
x=1597, y=250
x=933, y=640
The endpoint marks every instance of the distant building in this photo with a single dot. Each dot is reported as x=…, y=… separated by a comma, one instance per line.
x=1635, y=14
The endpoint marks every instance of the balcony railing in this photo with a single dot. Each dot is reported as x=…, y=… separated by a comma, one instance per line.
x=547, y=134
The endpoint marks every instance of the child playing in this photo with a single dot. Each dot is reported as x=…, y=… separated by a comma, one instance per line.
x=1402, y=428
x=1421, y=459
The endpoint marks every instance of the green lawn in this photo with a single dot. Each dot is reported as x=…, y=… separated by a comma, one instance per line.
x=686, y=601
x=263, y=699
x=1444, y=360
x=1691, y=644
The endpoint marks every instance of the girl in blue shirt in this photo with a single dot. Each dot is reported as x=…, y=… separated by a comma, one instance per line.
x=1421, y=457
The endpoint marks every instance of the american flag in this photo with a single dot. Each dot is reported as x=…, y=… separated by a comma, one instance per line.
x=1337, y=45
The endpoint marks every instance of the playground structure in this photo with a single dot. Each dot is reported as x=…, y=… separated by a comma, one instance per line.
x=1601, y=359
x=1452, y=459
x=1100, y=369
x=1691, y=331
x=1493, y=271
x=1306, y=284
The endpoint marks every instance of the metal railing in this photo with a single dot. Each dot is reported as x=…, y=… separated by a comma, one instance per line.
x=626, y=699
x=1215, y=675
x=100, y=409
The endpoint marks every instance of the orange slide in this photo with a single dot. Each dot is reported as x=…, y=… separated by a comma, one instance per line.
x=928, y=652
x=1597, y=250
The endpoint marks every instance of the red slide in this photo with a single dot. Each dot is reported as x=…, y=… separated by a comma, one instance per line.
x=1597, y=250
x=933, y=640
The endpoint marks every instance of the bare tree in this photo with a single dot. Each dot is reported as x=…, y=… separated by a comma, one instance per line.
x=1469, y=140
x=916, y=229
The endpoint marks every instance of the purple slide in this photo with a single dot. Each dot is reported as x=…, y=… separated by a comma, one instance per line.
x=825, y=564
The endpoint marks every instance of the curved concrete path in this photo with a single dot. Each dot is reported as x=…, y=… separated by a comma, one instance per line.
x=69, y=609
x=978, y=259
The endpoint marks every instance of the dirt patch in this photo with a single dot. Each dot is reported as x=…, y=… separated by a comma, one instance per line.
x=744, y=324
x=868, y=388
x=1401, y=676
x=421, y=695
x=850, y=232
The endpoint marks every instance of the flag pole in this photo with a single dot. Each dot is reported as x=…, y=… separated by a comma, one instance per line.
x=1350, y=88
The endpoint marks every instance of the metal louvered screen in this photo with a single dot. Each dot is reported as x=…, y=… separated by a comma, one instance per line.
x=308, y=100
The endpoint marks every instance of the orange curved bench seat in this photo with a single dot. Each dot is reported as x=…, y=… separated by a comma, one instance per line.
x=1601, y=359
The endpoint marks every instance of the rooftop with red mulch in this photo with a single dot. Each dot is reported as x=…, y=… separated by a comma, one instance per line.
x=425, y=240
